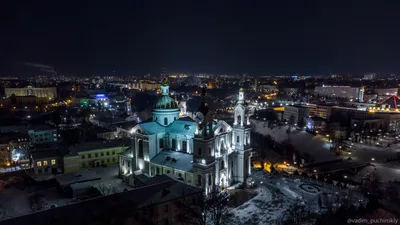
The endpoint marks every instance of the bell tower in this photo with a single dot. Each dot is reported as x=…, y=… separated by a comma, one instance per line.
x=241, y=139
x=203, y=152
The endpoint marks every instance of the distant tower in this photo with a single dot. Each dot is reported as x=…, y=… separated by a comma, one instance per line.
x=255, y=84
x=182, y=107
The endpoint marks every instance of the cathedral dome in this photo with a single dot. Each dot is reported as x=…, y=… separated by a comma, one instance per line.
x=166, y=102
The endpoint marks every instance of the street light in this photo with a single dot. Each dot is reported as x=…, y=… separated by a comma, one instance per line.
x=373, y=159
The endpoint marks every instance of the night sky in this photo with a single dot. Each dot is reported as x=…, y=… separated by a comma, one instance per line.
x=254, y=37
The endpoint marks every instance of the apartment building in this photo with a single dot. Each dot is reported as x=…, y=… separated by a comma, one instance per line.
x=297, y=112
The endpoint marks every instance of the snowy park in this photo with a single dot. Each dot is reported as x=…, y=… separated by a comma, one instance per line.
x=275, y=196
x=302, y=141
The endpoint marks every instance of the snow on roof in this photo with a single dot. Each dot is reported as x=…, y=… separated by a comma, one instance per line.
x=177, y=160
x=152, y=127
x=76, y=177
x=96, y=145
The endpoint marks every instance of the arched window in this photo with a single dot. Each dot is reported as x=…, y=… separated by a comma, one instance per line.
x=239, y=119
x=174, y=118
x=222, y=164
x=140, y=150
x=165, y=121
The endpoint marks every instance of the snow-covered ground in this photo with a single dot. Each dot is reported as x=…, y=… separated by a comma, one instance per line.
x=384, y=172
x=364, y=152
x=276, y=195
x=316, y=146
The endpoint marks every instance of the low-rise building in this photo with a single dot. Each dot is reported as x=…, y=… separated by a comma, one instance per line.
x=43, y=135
x=95, y=154
x=48, y=160
x=60, y=159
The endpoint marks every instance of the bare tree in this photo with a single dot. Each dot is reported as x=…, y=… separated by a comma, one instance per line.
x=199, y=209
x=298, y=214
x=107, y=190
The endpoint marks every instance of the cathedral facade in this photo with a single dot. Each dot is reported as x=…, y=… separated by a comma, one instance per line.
x=202, y=151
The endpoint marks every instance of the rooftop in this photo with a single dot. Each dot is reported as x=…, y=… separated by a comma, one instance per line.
x=178, y=126
x=76, y=177
x=48, y=153
x=95, y=145
x=177, y=160
x=121, y=204
x=296, y=106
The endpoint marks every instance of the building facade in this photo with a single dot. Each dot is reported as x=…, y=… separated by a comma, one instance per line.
x=204, y=152
x=49, y=92
x=59, y=159
x=42, y=136
x=297, y=113
x=354, y=93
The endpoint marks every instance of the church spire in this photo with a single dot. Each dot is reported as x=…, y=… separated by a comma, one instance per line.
x=241, y=96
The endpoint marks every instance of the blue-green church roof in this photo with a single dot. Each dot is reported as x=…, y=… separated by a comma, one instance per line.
x=165, y=101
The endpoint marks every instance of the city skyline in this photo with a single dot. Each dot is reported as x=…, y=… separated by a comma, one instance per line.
x=309, y=38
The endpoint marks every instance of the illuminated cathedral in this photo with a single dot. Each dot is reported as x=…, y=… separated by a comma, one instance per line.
x=200, y=150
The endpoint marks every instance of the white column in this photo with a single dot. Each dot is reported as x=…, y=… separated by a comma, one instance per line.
x=249, y=164
x=217, y=173
x=187, y=145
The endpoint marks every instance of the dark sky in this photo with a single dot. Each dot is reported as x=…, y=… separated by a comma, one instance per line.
x=257, y=37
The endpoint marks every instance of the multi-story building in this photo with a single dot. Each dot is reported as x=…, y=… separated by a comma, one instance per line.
x=202, y=151
x=49, y=92
x=43, y=135
x=353, y=93
x=353, y=112
x=312, y=109
x=297, y=113
x=59, y=159
x=324, y=110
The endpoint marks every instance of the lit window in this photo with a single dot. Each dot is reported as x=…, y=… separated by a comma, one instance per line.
x=39, y=164
x=44, y=163
x=53, y=162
